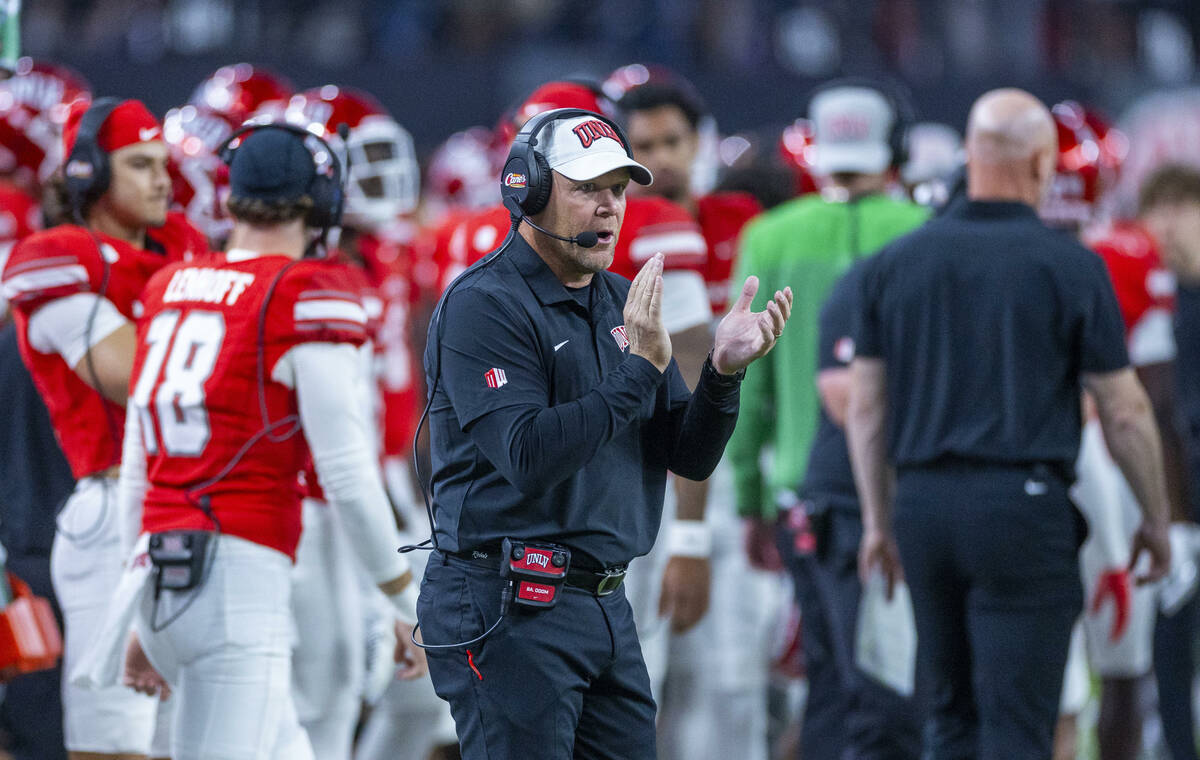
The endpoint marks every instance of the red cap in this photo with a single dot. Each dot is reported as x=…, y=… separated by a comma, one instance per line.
x=130, y=122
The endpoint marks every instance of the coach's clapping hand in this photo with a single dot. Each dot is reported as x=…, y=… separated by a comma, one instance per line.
x=644, y=326
x=745, y=335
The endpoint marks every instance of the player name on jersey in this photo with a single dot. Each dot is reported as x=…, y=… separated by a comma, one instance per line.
x=207, y=285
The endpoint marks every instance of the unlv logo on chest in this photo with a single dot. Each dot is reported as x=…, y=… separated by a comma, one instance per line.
x=591, y=131
x=620, y=337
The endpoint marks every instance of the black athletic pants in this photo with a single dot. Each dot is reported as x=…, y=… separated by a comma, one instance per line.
x=990, y=554
x=567, y=682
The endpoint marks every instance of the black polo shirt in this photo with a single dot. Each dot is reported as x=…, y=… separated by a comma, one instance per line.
x=1187, y=357
x=1187, y=381
x=543, y=426
x=986, y=319
x=828, y=474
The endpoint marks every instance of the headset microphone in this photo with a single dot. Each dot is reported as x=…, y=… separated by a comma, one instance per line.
x=586, y=239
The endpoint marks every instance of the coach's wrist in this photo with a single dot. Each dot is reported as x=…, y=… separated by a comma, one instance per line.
x=723, y=372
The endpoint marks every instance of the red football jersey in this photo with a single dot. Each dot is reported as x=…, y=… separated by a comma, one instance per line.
x=390, y=270
x=651, y=225
x=1145, y=289
x=384, y=281
x=67, y=260
x=20, y=214
x=20, y=217
x=656, y=225
x=463, y=238
x=201, y=399
x=721, y=217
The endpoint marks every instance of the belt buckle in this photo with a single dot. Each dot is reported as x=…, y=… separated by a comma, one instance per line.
x=610, y=582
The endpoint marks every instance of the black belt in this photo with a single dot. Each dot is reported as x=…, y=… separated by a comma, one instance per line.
x=598, y=582
x=1063, y=471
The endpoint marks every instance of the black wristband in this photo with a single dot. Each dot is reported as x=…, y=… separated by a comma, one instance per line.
x=716, y=376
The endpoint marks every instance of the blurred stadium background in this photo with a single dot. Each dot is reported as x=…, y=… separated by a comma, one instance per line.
x=443, y=65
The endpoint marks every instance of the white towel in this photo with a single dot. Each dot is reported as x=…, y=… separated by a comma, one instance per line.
x=886, y=645
x=104, y=660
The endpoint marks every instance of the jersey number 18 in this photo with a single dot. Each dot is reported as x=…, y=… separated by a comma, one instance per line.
x=188, y=348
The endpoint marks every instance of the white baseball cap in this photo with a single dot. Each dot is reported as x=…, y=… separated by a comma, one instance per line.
x=584, y=147
x=851, y=127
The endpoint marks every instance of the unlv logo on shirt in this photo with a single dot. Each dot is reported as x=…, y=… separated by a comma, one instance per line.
x=620, y=337
x=591, y=131
x=495, y=377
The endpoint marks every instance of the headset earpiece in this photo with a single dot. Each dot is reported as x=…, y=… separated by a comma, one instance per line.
x=527, y=178
x=86, y=172
x=514, y=184
x=538, y=201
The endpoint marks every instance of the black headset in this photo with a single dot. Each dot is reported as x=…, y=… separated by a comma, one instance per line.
x=326, y=190
x=526, y=180
x=87, y=172
x=904, y=115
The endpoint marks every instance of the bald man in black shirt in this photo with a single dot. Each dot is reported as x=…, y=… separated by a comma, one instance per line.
x=976, y=337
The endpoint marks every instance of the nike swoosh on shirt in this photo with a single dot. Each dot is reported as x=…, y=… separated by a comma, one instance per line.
x=560, y=345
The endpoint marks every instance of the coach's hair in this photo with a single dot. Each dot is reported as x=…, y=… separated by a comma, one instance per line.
x=262, y=213
x=647, y=97
x=1172, y=183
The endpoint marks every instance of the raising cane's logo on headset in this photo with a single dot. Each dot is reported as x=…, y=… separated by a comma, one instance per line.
x=515, y=179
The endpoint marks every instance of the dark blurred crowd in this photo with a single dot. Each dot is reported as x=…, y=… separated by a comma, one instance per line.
x=1099, y=50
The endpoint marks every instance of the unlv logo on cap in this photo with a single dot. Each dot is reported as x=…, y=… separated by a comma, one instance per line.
x=849, y=127
x=620, y=337
x=591, y=131
x=515, y=179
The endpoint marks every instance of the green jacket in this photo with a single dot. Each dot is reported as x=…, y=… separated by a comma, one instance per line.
x=806, y=243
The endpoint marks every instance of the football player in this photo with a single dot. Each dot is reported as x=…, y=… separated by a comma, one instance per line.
x=34, y=104
x=74, y=292
x=264, y=327
x=1145, y=288
x=20, y=216
x=1169, y=206
x=663, y=117
x=199, y=179
x=460, y=175
x=375, y=248
x=240, y=90
x=1119, y=621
